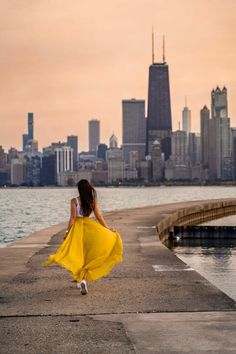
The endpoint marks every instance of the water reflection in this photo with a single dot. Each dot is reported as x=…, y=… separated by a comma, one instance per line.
x=215, y=259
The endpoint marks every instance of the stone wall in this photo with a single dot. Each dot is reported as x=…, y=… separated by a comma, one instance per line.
x=196, y=214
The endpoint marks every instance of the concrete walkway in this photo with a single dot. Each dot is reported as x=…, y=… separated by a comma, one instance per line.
x=151, y=303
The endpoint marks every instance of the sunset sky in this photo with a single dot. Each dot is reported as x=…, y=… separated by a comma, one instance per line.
x=71, y=60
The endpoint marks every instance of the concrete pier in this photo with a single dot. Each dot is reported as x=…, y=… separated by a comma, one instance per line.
x=151, y=303
x=195, y=213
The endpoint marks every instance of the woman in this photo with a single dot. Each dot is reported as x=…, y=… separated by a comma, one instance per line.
x=90, y=249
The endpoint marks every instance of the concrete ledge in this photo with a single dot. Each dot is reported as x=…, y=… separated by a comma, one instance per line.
x=195, y=213
x=14, y=258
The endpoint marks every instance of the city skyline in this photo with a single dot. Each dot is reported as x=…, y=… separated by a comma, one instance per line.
x=68, y=79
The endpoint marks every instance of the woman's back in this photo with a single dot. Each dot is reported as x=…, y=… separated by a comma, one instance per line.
x=79, y=209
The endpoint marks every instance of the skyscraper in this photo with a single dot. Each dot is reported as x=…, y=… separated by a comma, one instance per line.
x=113, y=142
x=134, y=128
x=101, y=152
x=72, y=141
x=219, y=134
x=64, y=159
x=159, y=122
x=194, y=143
x=30, y=126
x=24, y=141
x=156, y=161
x=94, y=134
x=186, y=120
x=233, y=151
x=179, y=147
x=204, y=126
x=28, y=138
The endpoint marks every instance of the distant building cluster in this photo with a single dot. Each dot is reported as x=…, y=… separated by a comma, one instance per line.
x=151, y=152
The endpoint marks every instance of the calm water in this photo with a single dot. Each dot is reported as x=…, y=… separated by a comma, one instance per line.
x=214, y=259
x=23, y=211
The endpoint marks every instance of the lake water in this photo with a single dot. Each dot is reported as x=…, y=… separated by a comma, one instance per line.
x=23, y=211
x=215, y=259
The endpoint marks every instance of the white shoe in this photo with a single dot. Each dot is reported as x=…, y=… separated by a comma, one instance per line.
x=78, y=285
x=83, y=289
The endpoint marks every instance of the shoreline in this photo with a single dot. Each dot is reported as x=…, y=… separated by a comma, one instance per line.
x=161, y=185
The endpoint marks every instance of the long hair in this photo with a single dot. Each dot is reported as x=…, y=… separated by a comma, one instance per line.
x=88, y=196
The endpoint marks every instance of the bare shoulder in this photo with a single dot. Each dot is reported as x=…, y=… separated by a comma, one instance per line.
x=74, y=201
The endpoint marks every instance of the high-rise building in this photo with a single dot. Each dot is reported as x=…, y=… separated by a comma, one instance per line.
x=198, y=148
x=115, y=165
x=24, y=141
x=28, y=139
x=12, y=154
x=157, y=162
x=204, y=126
x=18, y=170
x=233, y=151
x=134, y=128
x=51, y=148
x=179, y=148
x=219, y=135
x=33, y=145
x=30, y=126
x=94, y=134
x=101, y=152
x=33, y=167
x=3, y=158
x=48, y=171
x=72, y=141
x=219, y=104
x=186, y=120
x=159, y=122
x=133, y=159
x=113, y=142
x=194, y=143
x=64, y=159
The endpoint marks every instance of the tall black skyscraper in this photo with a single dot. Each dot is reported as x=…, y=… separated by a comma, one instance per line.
x=159, y=123
x=27, y=138
x=30, y=126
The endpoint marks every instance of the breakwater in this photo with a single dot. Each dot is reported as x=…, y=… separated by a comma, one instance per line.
x=193, y=214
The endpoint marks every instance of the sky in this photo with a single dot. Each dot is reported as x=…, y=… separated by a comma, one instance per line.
x=69, y=61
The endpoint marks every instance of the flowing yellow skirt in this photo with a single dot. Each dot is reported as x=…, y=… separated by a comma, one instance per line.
x=89, y=250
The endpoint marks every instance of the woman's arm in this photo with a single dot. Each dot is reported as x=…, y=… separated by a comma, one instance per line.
x=73, y=215
x=99, y=216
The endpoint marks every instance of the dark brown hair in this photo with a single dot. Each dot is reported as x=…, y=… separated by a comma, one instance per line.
x=88, y=196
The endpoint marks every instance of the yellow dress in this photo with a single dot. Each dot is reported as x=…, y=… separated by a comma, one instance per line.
x=89, y=250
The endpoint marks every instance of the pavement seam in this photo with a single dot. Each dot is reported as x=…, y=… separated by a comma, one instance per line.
x=111, y=313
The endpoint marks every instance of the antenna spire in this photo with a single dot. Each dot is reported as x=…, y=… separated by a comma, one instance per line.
x=153, y=49
x=185, y=101
x=164, y=56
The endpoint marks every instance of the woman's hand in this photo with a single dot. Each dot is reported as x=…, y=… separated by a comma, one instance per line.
x=111, y=228
x=67, y=231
